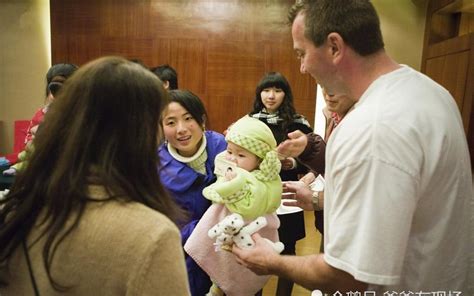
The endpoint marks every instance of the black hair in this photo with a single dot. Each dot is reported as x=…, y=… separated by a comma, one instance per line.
x=62, y=69
x=167, y=73
x=286, y=110
x=191, y=103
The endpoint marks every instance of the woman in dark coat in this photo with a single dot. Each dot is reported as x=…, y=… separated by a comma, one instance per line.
x=274, y=106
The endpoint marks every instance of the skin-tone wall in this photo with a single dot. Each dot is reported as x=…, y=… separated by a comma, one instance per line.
x=25, y=56
x=403, y=28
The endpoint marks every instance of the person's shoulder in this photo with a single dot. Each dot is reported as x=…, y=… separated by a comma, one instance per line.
x=215, y=140
x=164, y=154
x=300, y=123
x=151, y=217
x=163, y=148
x=119, y=231
x=133, y=217
x=214, y=136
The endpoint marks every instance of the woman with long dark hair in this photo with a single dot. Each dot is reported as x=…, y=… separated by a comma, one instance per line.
x=89, y=215
x=274, y=106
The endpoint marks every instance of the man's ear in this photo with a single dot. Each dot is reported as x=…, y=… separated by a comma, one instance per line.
x=166, y=84
x=336, y=47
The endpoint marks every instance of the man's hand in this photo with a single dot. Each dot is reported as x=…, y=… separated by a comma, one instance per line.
x=308, y=178
x=258, y=259
x=294, y=145
x=303, y=196
x=311, y=272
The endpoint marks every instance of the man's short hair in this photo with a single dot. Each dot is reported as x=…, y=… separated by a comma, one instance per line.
x=355, y=20
x=167, y=73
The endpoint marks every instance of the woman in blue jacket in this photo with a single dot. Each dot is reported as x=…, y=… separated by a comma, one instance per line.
x=187, y=166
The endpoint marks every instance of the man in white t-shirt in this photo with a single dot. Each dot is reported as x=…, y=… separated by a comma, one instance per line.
x=398, y=201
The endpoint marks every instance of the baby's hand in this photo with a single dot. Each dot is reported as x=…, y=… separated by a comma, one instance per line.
x=229, y=175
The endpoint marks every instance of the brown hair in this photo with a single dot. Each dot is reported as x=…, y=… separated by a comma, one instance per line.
x=355, y=20
x=103, y=130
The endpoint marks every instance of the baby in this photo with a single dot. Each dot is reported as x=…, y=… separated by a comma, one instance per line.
x=252, y=188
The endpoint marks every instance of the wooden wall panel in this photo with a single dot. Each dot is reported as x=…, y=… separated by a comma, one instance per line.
x=448, y=57
x=189, y=57
x=139, y=48
x=279, y=57
x=220, y=48
x=451, y=72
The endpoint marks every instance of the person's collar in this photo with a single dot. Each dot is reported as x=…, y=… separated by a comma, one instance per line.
x=185, y=159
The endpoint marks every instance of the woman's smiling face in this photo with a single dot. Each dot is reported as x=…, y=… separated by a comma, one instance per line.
x=181, y=130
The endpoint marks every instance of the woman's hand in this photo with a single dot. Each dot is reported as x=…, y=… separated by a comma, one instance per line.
x=294, y=145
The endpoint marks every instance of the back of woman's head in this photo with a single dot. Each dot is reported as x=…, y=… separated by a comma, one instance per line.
x=277, y=80
x=191, y=103
x=106, y=117
x=102, y=130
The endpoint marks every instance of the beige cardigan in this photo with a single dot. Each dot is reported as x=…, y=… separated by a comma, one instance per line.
x=118, y=249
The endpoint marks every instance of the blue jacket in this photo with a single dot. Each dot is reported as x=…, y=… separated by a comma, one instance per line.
x=186, y=185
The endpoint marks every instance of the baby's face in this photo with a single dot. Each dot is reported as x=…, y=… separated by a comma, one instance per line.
x=242, y=157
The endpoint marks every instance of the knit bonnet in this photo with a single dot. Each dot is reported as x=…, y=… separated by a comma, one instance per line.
x=256, y=137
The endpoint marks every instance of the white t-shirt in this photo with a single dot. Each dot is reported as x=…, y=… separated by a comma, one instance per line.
x=399, y=205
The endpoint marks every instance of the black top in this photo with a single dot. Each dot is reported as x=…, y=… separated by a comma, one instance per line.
x=5, y=181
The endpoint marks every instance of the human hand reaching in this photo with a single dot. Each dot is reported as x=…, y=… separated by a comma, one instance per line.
x=302, y=196
x=294, y=145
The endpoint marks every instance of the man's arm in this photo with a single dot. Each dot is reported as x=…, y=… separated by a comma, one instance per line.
x=311, y=272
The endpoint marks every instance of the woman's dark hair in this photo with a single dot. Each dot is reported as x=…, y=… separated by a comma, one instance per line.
x=286, y=110
x=62, y=69
x=102, y=130
x=191, y=103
